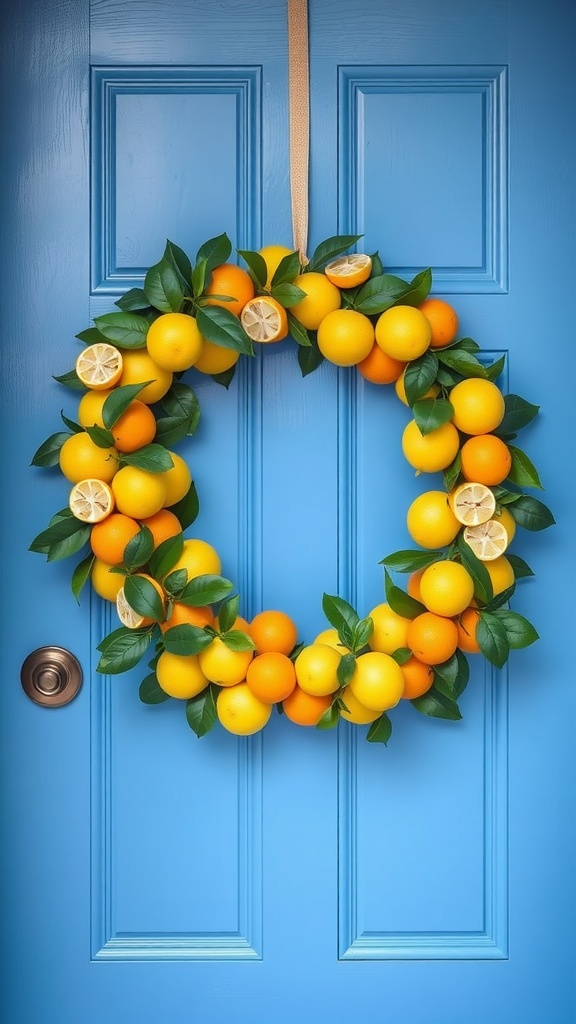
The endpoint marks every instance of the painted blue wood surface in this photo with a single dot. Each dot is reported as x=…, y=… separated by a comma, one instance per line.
x=147, y=875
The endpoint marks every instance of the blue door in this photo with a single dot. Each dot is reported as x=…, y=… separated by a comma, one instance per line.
x=299, y=874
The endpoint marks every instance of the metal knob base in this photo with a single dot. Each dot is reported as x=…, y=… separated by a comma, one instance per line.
x=51, y=676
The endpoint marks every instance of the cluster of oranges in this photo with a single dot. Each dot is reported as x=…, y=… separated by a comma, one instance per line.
x=126, y=485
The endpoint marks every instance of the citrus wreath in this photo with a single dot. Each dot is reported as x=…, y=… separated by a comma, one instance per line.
x=133, y=498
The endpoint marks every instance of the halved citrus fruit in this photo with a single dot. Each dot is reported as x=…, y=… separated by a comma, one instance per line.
x=91, y=500
x=264, y=319
x=472, y=504
x=349, y=271
x=99, y=366
x=488, y=541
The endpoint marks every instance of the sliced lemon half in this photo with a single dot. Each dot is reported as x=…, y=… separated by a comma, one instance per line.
x=91, y=500
x=99, y=366
x=472, y=504
x=488, y=540
x=349, y=271
x=264, y=319
x=128, y=617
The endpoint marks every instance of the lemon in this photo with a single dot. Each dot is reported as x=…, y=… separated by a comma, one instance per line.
x=430, y=520
x=322, y=297
x=429, y=453
x=91, y=500
x=99, y=366
x=446, y=588
x=174, y=341
x=377, y=683
x=403, y=332
x=180, y=675
x=80, y=459
x=345, y=337
x=316, y=667
x=138, y=493
x=472, y=503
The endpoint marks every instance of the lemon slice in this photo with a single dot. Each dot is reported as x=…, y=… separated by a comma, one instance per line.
x=128, y=617
x=349, y=271
x=99, y=366
x=264, y=319
x=91, y=500
x=488, y=540
x=472, y=504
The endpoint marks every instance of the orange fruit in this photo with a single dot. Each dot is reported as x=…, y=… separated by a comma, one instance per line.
x=345, y=337
x=273, y=630
x=109, y=538
x=429, y=453
x=138, y=368
x=99, y=366
x=443, y=320
x=321, y=298
x=413, y=585
x=184, y=614
x=215, y=358
x=486, y=459
x=127, y=615
x=349, y=271
x=264, y=319
x=134, y=428
x=230, y=280
x=271, y=676
x=403, y=332
x=377, y=682
x=379, y=368
x=240, y=711
x=162, y=525
x=305, y=708
x=418, y=678
x=174, y=341
x=81, y=459
x=137, y=492
x=466, y=624
x=180, y=675
x=432, y=638
x=478, y=406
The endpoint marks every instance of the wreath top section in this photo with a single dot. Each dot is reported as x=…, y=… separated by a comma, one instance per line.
x=133, y=496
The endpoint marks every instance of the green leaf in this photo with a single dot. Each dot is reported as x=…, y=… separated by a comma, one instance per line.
x=186, y=510
x=454, y=674
x=483, y=589
x=215, y=251
x=150, y=691
x=237, y=640
x=70, y=380
x=175, y=582
x=340, y=613
x=256, y=266
x=170, y=430
x=91, y=336
x=377, y=294
x=346, y=669
x=199, y=277
x=531, y=513
x=521, y=568
x=226, y=377
x=520, y=631
x=118, y=401
x=523, y=472
x=81, y=575
x=163, y=287
x=71, y=424
x=205, y=589
x=399, y=601
x=362, y=633
x=133, y=301
x=180, y=262
x=419, y=288
x=329, y=249
x=518, y=413
x=436, y=704
x=143, y=598
x=452, y=472
x=100, y=437
x=123, y=648
x=462, y=361
x=419, y=376
x=431, y=413
x=138, y=550
x=182, y=402
x=61, y=528
x=401, y=655
x=493, y=639
x=165, y=556
x=287, y=270
x=287, y=294
x=152, y=457
x=125, y=330
x=493, y=372
x=330, y=718
x=308, y=360
x=48, y=454
x=221, y=327
x=411, y=561
x=187, y=639
x=380, y=731
x=201, y=712
x=228, y=613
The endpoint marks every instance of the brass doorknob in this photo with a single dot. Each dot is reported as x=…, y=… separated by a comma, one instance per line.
x=51, y=676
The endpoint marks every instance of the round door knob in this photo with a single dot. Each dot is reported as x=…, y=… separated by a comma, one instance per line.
x=51, y=676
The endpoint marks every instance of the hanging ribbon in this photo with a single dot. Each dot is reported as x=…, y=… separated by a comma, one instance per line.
x=299, y=120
